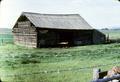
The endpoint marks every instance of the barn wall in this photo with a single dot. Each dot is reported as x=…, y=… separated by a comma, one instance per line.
x=50, y=38
x=25, y=34
x=47, y=38
x=83, y=37
x=98, y=37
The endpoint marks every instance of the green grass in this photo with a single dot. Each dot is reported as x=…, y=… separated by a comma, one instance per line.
x=6, y=38
x=19, y=60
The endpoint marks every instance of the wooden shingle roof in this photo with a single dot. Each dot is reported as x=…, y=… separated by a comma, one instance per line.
x=58, y=21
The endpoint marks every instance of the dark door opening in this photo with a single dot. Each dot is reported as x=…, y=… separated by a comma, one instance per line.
x=66, y=38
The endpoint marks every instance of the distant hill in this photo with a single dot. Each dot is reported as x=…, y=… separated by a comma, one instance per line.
x=5, y=30
x=115, y=28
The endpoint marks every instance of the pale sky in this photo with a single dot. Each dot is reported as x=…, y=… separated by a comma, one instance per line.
x=98, y=13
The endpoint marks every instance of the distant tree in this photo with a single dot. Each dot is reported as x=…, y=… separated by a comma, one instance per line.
x=105, y=29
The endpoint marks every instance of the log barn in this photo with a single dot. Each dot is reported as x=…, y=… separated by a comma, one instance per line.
x=52, y=30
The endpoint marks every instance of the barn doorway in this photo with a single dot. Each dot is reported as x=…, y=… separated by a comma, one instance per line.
x=66, y=38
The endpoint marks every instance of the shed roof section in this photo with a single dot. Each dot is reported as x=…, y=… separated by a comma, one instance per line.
x=58, y=21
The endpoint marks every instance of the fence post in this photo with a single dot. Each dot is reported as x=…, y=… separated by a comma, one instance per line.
x=2, y=41
x=96, y=73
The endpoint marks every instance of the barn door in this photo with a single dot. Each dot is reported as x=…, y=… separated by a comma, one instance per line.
x=66, y=36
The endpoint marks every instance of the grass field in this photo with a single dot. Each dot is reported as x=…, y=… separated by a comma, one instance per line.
x=28, y=65
x=75, y=64
x=6, y=38
x=113, y=34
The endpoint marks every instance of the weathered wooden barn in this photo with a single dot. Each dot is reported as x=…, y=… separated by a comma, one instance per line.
x=50, y=30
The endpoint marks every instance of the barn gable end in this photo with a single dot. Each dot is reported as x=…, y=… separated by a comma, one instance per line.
x=25, y=33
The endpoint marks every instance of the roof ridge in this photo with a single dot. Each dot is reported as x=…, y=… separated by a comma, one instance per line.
x=50, y=14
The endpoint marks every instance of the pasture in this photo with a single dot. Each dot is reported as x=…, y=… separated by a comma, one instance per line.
x=74, y=64
x=113, y=34
x=6, y=36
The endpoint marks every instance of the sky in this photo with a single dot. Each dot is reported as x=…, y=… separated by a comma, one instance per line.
x=98, y=13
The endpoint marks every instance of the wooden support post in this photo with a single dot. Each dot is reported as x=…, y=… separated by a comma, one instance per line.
x=96, y=73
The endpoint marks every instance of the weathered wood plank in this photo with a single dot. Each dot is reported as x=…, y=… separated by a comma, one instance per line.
x=25, y=34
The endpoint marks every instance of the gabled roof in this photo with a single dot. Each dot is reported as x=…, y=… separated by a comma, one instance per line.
x=58, y=21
